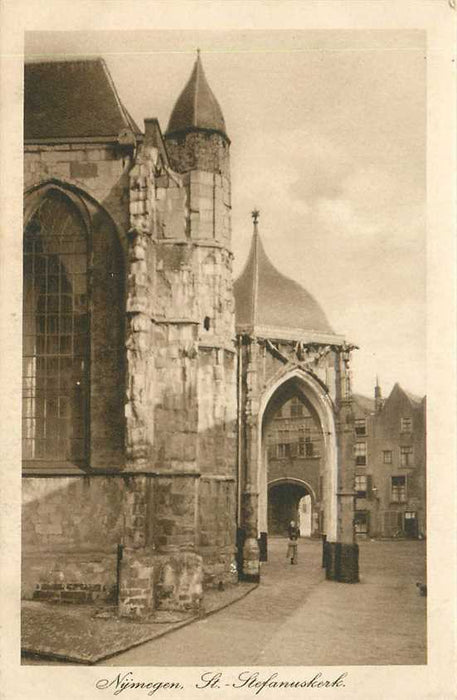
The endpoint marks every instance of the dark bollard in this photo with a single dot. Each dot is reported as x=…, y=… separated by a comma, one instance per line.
x=240, y=539
x=332, y=558
x=263, y=546
x=324, y=551
x=348, y=568
x=342, y=562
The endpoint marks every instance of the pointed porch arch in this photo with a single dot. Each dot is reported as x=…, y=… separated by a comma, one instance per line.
x=321, y=406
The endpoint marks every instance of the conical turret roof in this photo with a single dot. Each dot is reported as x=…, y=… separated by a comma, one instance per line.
x=197, y=107
x=269, y=303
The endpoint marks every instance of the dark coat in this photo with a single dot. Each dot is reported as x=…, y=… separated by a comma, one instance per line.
x=294, y=532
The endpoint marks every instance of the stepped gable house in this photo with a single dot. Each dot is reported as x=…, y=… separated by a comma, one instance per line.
x=146, y=405
x=390, y=464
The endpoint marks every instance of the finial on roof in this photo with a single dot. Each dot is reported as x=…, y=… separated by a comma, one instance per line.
x=197, y=107
x=266, y=299
x=378, y=395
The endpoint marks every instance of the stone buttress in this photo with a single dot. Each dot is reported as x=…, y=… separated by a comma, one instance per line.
x=181, y=406
x=195, y=279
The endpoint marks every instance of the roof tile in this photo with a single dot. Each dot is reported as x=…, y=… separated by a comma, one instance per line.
x=197, y=107
x=72, y=99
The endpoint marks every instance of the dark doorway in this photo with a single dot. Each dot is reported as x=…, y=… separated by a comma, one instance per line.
x=411, y=524
x=283, y=506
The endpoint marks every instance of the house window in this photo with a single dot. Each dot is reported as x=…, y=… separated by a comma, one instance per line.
x=361, y=486
x=73, y=330
x=406, y=425
x=296, y=408
x=360, y=452
x=406, y=456
x=398, y=489
x=301, y=446
x=360, y=426
x=361, y=522
x=283, y=449
x=55, y=334
x=387, y=456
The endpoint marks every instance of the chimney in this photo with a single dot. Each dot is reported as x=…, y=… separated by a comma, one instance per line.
x=378, y=400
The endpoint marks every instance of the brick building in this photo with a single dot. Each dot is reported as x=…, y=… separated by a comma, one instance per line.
x=145, y=405
x=390, y=464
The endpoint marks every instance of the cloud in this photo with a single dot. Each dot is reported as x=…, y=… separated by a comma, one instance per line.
x=352, y=232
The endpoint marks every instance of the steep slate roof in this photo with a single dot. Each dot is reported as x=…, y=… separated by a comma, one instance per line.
x=364, y=402
x=416, y=401
x=368, y=404
x=266, y=298
x=197, y=107
x=71, y=100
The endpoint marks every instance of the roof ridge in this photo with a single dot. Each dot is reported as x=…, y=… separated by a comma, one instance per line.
x=128, y=119
x=53, y=59
x=197, y=68
x=255, y=286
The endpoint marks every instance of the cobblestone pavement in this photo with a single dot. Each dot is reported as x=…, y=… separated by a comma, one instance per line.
x=85, y=634
x=295, y=617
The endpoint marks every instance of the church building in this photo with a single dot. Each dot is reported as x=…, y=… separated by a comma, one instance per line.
x=150, y=377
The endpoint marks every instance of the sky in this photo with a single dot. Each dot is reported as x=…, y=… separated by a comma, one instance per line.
x=328, y=141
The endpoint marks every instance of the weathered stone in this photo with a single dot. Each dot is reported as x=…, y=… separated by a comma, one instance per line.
x=163, y=387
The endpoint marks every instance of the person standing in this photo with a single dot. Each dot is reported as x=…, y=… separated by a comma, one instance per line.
x=292, y=544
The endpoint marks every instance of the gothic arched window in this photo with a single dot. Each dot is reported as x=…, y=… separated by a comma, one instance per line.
x=70, y=317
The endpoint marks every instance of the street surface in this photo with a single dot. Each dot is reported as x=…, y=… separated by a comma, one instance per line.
x=297, y=618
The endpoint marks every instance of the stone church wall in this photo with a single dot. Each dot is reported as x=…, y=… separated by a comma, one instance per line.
x=101, y=170
x=163, y=393
x=199, y=150
x=72, y=524
x=216, y=524
x=71, y=527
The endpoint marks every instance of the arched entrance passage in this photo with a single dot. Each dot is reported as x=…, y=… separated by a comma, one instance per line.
x=298, y=382
x=290, y=499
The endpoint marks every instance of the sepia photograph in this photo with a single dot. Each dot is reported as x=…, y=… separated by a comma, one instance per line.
x=233, y=442
x=223, y=348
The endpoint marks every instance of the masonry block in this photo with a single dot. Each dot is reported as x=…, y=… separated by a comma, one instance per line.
x=83, y=170
x=136, y=599
x=179, y=582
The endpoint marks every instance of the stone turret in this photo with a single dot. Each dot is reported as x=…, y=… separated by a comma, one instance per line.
x=198, y=148
x=194, y=283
